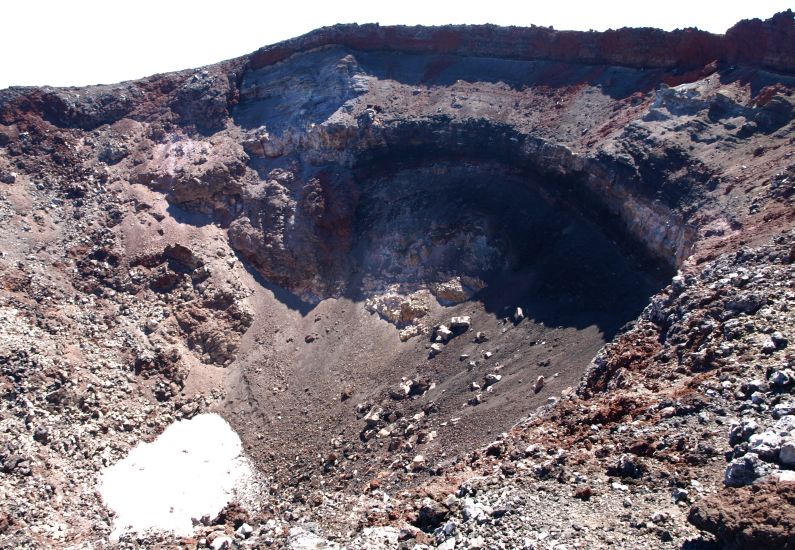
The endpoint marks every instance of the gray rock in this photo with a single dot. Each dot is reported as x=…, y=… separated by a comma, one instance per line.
x=786, y=408
x=768, y=346
x=301, y=538
x=449, y=529
x=680, y=495
x=785, y=425
x=786, y=454
x=373, y=417
x=765, y=444
x=626, y=466
x=779, y=340
x=431, y=514
x=491, y=379
x=7, y=177
x=755, y=385
x=745, y=470
x=781, y=378
x=471, y=511
x=435, y=350
x=742, y=431
x=518, y=315
x=757, y=398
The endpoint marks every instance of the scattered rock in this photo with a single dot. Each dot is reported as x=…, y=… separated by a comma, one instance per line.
x=490, y=379
x=460, y=323
x=7, y=176
x=221, y=543
x=765, y=444
x=442, y=334
x=745, y=470
x=742, y=431
x=787, y=453
x=431, y=515
x=626, y=466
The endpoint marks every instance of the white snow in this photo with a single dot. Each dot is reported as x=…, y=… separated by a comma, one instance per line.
x=193, y=468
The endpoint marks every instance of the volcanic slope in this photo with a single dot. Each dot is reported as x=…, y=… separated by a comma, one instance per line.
x=398, y=259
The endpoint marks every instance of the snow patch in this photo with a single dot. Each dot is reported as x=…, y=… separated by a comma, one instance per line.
x=195, y=467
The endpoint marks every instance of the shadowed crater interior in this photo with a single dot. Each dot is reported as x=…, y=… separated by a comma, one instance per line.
x=416, y=240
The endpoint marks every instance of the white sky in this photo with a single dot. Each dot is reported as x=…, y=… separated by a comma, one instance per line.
x=79, y=42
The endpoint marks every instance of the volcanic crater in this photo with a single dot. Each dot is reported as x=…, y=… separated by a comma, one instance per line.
x=396, y=260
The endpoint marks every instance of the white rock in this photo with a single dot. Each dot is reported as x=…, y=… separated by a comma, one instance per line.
x=784, y=475
x=442, y=333
x=221, y=543
x=245, y=530
x=376, y=538
x=461, y=323
x=303, y=539
x=435, y=350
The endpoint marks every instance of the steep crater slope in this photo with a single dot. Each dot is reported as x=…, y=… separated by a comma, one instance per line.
x=413, y=197
x=279, y=238
x=423, y=244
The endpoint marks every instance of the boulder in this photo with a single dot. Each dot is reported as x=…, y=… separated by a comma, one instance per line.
x=461, y=323
x=745, y=470
x=442, y=334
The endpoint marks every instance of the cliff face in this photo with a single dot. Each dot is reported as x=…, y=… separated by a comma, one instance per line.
x=584, y=110
x=268, y=213
x=768, y=44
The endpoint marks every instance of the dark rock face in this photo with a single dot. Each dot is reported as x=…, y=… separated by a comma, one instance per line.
x=312, y=118
x=769, y=44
